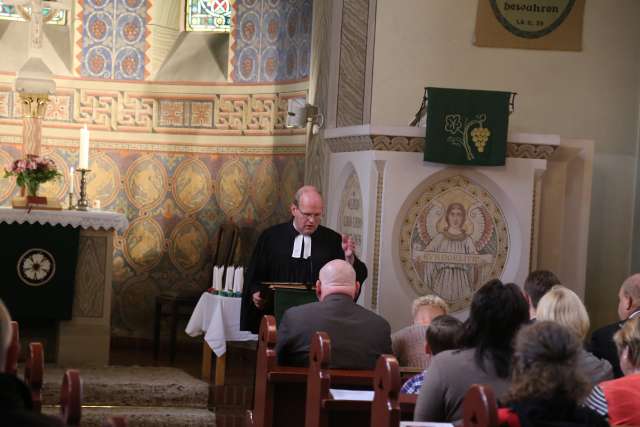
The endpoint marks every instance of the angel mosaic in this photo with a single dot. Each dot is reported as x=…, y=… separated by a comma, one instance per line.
x=453, y=248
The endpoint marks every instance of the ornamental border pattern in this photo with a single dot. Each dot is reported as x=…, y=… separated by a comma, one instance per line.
x=243, y=114
x=416, y=145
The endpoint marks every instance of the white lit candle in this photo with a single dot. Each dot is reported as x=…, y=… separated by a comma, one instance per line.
x=83, y=161
x=72, y=173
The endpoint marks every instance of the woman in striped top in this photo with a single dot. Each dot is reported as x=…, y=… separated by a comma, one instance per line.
x=619, y=399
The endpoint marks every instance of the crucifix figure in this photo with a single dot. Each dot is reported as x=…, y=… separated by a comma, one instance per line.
x=36, y=18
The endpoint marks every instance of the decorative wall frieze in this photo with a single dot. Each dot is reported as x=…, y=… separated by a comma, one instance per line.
x=406, y=144
x=244, y=113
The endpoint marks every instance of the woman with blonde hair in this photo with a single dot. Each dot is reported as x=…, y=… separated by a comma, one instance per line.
x=563, y=306
x=619, y=399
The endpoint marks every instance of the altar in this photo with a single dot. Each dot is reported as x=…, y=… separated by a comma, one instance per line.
x=83, y=339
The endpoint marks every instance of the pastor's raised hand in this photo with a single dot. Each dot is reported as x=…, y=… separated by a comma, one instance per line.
x=349, y=248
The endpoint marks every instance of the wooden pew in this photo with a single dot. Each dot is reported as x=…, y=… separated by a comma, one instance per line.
x=34, y=373
x=115, y=422
x=71, y=398
x=11, y=363
x=479, y=408
x=279, y=396
x=386, y=409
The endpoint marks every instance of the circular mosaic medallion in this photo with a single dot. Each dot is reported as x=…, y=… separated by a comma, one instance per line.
x=98, y=27
x=248, y=27
x=103, y=182
x=57, y=188
x=36, y=267
x=270, y=64
x=97, y=62
x=130, y=28
x=188, y=248
x=271, y=26
x=7, y=185
x=290, y=181
x=247, y=64
x=265, y=188
x=146, y=182
x=129, y=63
x=350, y=217
x=192, y=185
x=143, y=244
x=454, y=238
x=233, y=185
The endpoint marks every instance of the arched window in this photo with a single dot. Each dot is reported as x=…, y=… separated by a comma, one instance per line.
x=19, y=13
x=208, y=15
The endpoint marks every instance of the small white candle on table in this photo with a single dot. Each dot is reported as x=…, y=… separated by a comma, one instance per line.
x=72, y=173
x=83, y=161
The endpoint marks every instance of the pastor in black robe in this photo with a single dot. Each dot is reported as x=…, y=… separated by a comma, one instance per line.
x=272, y=262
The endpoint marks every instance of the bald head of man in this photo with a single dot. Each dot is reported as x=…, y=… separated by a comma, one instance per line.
x=337, y=277
x=5, y=334
x=629, y=296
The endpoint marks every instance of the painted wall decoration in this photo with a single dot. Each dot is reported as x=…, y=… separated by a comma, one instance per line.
x=112, y=39
x=454, y=238
x=271, y=40
x=175, y=203
x=350, y=217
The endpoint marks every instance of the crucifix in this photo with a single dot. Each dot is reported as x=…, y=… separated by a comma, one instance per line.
x=34, y=81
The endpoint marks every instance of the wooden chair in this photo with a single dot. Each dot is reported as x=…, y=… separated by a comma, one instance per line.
x=71, y=398
x=11, y=363
x=34, y=373
x=479, y=408
x=224, y=251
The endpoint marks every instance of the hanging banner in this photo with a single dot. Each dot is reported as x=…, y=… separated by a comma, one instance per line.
x=530, y=24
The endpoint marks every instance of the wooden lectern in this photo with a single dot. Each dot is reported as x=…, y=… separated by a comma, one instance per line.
x=288, y=294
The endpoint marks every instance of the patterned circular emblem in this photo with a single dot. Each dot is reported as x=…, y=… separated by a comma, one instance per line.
x=264, y=189
x=247, y=64
x=97, y=62
x=188, y=245
x=516, y=18
x=192, y=185
x=103, y=182
x=6, y=184
x=453, y=239
x=233, y=187
x=271, y=26
x=129, y=63
x=269, y=64
x=249, y=26
x=98, y=26
x=143, y=244
x=146, y=183
x=36, y=267
x=130, y=27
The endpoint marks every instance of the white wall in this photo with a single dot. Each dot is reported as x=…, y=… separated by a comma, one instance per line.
x=592, y=94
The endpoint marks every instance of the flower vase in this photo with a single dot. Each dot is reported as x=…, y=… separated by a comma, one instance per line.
x=31, y=190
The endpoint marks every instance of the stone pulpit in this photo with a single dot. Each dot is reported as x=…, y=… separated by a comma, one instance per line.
x=428, y=228
x=37, y=277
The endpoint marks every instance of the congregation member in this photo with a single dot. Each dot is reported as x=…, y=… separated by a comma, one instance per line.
x=547, y=385
x=602, y=344
x=538, y=283
x=358, y=336
x=443, y=333
x=496, y=314
x=294, y=251
x=16, y=406
x=563, y=306
x=408, y=343
x=619, y=399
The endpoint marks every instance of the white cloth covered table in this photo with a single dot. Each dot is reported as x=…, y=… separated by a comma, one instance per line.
x=95, y=219
x=218, y=318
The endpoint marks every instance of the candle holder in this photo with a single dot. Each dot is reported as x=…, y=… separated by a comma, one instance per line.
x=71, y=206
x=83, y=203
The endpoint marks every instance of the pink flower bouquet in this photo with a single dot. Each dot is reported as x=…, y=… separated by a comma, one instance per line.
x=31, y=172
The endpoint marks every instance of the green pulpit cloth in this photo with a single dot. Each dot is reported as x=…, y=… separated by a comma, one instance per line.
x=38, y=268
x=287, y=295
x=467, y=127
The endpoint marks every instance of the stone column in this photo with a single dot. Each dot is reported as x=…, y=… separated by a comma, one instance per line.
x=34, y=106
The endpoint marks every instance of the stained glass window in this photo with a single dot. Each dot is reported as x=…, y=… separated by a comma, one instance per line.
x=208, y=15
x=12, y=13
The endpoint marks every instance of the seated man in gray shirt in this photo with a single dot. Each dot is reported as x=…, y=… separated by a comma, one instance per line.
x=358, y=336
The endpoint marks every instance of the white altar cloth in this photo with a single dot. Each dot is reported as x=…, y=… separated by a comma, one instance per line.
x=95, y=219
x=218, y=318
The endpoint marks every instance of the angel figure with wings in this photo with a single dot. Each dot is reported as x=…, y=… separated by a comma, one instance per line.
x=452, y=258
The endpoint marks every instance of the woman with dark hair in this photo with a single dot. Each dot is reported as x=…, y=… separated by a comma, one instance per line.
x=496, y=314
x=547, y=382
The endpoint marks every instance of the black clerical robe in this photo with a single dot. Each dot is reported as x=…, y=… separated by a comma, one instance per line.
x=272, y=262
